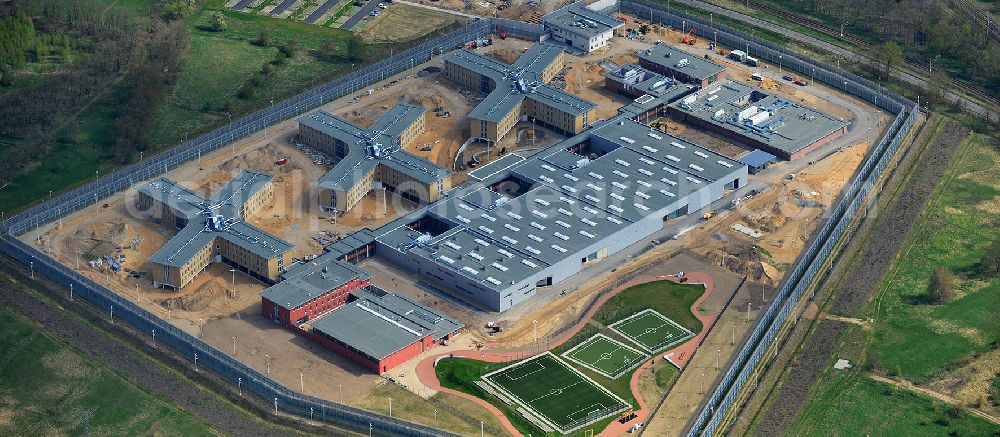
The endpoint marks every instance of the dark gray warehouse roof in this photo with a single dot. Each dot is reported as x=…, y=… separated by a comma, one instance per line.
x=379, y=326
x=680, y=61
x=304, y=281
x=583, y=21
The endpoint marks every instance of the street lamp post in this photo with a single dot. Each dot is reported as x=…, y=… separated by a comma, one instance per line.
x=842, y=28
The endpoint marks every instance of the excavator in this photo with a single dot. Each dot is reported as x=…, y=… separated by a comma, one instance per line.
x=689, y=39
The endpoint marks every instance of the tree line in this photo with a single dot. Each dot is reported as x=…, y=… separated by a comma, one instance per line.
x=119, y=56
x=926, y=30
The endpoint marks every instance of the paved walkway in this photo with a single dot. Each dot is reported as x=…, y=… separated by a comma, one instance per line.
x=425, y=368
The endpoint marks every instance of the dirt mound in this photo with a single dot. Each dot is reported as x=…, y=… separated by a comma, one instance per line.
x=744, y=259
x=263, y=160
x=96, y=240
x=767, y=221
x=202, y=298
x=507, y=56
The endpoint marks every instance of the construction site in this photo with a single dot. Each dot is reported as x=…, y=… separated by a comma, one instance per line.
x=756, y=230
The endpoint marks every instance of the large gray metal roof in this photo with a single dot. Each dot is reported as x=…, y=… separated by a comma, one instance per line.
x=200, y=230
x=304, y=281
x=678, y=60
x=516, y=82
x=379, y=326
x=573, y=201
x=367, y=148
x=583, y=21
x=752, y=113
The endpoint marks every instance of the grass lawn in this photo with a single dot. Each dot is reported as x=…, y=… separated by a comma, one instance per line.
x=867, y=407
x=912, y=338
x=461, y=374
x=401, y=22
x=216, y=66
x=45, y=385
x=918, y=340
x=443, y=410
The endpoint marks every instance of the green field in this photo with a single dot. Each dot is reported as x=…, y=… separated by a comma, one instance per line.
x=604, y=355
x=866, y=407
x=556, y=392
x=651, y=330
x=45, y=386
x=933, y=345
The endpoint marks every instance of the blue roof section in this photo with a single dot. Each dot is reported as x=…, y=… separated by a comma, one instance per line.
x=758, y=158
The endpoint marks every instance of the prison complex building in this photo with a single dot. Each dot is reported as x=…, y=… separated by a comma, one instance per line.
x=581, y=28
x=759, y=120
x=523, y=224
x=332, y=302
x=652, y=91
x=213, y=230
x=518, y=90
x=372, y=158
x=683, y=66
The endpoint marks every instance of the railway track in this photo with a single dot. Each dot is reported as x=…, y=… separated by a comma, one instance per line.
x=872, y=48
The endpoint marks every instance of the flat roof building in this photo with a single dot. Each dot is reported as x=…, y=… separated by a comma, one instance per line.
x=518, y=90
x=748, y=115
x=528, y=223
x=213, y=230
x=683, y=66
x=581, y=28
x=653, y=91
x=382, y=331
x=372, y=158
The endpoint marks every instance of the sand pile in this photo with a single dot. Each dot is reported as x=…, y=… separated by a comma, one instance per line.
x=744, y=259
x=263, y=159
x=767, y=220
x=202, y=298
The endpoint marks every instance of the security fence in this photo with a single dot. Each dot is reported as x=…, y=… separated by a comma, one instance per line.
x=164, y=334
x=854, y=198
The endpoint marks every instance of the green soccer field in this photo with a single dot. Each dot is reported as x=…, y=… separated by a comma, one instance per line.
x=555, y=392
x=605, y=356
x=651, y=330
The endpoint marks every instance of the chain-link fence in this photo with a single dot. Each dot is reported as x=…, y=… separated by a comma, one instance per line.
x=855, y=195
x=164, y=334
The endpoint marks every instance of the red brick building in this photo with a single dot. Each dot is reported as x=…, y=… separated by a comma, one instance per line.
x=330, y=302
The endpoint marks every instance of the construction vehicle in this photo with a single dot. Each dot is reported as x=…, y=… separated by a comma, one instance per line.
x=708, y=215
x=501, y=32
x=281, y=161
x=798, y=81
x=688, y=39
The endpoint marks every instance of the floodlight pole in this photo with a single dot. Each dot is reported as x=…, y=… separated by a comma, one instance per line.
x=239, y=384
x=390, y=407
x=267, y=362
x=341, y=388
x=302, y=383
x=534, y=329
x=234, y=346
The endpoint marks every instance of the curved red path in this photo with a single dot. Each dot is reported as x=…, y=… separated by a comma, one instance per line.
x=425, y=368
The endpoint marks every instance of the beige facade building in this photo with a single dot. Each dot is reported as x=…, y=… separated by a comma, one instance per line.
x=518, y=92
x=213, y=230
x=373, y=158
